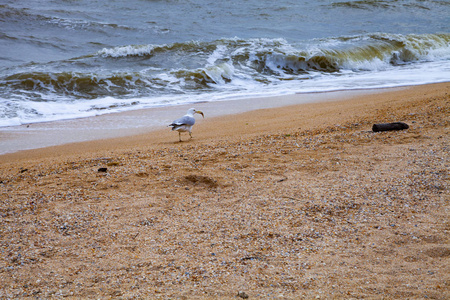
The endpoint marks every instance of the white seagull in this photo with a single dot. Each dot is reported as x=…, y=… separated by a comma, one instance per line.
x=185, y=123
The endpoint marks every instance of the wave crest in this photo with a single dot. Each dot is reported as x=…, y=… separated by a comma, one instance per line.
x=149, y=70
x=76, y=84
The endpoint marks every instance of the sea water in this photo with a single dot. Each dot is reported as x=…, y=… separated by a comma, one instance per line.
x=72, y=59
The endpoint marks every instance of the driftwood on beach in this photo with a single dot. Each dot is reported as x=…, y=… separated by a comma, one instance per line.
x=389, y=126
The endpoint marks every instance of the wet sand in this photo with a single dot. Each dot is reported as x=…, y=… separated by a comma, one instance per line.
x=300, y=201
x=135, y=122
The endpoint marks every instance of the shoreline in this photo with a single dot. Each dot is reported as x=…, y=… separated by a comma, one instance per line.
x=295, y=202
x=135, y=122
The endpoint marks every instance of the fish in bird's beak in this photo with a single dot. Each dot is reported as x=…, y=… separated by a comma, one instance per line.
x=200, y=112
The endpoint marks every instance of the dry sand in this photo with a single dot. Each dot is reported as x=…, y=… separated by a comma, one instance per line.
x=307, y=204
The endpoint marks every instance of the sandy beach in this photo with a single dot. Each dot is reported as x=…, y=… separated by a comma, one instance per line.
x=293, y=202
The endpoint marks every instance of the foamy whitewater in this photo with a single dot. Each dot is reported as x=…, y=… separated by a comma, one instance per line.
x=83, y=58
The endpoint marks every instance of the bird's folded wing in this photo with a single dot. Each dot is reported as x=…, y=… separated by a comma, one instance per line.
x=186, y=120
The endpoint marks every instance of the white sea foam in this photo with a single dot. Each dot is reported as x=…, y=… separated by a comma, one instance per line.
x=130, y=50
x=219, y=53
x=220, y=73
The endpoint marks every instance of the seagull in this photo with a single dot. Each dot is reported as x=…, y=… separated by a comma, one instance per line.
x=185, y=123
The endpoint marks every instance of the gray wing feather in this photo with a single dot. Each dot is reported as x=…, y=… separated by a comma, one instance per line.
x=185, y=120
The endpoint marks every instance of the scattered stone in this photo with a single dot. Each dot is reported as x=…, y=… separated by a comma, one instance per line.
x=102, y=170
x=142, y=174
x=316, y=233
x=250, y=258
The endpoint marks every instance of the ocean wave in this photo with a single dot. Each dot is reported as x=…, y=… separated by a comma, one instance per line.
x=78, y=24
x=363, y=52
x=26, y=16
x=383, y=5
x=222, y=68
x=124, y=51
x=205, y=77
x=358, y=53
x=217, y=63
x=149, y=50
x=77, y=85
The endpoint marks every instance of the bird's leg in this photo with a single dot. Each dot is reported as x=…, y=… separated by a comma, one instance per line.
x=190, y=134
x=179, y=135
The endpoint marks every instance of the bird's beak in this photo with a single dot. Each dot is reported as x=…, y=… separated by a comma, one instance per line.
x=200, y=112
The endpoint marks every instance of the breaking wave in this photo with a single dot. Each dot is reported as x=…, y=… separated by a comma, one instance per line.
x=275, y=56
x=225, y=66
